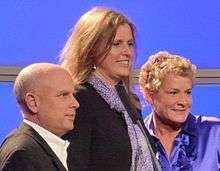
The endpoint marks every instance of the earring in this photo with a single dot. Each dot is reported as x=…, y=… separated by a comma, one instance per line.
x=94, y=67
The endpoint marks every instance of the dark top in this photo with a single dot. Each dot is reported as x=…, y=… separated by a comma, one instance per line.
x=25, y=150
x=100, y=139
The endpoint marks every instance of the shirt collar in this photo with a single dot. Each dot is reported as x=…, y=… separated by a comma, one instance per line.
x=50, y=138
x=189, y=127
x=149, y=124
x=57, y=144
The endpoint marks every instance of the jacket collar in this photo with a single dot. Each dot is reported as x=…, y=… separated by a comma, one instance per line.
x=28, y=130
x=189, y=127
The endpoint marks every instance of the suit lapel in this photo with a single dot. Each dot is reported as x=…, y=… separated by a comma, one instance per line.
x=25, y=128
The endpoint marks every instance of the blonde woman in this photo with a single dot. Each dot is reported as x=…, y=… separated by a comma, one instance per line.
x=184, y=141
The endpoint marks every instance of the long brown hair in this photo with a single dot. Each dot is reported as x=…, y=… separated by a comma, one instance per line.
x=91, y=41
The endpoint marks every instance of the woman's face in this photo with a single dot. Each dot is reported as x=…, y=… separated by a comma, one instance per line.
x=117, y=64
x=173, y=101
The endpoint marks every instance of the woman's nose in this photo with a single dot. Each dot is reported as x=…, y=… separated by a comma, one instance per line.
x=184, y=99
x=127, y=49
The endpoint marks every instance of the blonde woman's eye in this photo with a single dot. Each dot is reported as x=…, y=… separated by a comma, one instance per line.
x=189, y=92
x=173, y=92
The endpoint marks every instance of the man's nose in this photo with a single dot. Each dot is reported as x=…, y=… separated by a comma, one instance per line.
x=75, y=103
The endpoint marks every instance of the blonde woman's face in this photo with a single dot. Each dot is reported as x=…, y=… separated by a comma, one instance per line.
x=118, y=62
x=173, y=101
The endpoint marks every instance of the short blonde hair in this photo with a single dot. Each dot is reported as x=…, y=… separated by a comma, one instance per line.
x=160, y=65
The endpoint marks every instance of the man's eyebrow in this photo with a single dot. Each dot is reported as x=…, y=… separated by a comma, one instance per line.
x=63, y=92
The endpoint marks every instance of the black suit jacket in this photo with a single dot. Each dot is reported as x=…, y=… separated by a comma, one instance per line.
x=25, y=150
x=99, y=140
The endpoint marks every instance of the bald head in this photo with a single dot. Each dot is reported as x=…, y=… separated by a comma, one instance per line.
x=33, y=78
x=45, y=94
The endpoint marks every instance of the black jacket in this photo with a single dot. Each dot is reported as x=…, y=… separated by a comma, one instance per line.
x=100, y=139
x=25, y=150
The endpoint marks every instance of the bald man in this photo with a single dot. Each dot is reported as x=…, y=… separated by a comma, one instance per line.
x=44, y=93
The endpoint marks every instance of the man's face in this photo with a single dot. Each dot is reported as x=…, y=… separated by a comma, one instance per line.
x=57, y=105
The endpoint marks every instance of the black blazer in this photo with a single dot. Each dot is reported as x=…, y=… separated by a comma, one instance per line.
x=25, y=150
x=100, y=139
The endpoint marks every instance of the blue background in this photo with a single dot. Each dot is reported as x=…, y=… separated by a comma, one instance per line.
x=35, y=31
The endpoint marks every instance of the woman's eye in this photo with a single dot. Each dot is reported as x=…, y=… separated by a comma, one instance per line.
x=189, y=92
x=173, y=92
x=116, y=44
x=131, y=44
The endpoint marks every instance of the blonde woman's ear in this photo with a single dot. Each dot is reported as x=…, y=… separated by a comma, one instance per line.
x=148, y=95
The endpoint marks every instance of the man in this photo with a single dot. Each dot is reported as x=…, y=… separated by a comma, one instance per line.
x=44, y=93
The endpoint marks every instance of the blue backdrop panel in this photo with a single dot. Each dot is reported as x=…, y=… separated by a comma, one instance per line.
x=10, y=116
x=34, y=31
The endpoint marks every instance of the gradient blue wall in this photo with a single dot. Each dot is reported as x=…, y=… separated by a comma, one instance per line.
x=35, y=31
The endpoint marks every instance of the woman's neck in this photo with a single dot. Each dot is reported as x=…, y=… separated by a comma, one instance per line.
x=164, y=127
x=109, y=81
x=165, y=133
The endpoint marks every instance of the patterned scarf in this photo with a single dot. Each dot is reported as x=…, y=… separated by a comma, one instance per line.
x=141, y=157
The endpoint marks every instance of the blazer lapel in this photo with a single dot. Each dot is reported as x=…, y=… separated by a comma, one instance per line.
x=31, y=132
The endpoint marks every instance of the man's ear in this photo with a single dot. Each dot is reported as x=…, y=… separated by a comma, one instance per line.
x=32, y=102
x=148, y=95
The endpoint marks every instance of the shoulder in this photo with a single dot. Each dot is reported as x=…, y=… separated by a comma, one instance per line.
x=207, y=125
x=15, y=158
x=24, y=158
x=18, y=140
x=24, y=151
x=18, y=150
x=208, y=133
x=24, y=137
x=87, y=94
x=207, y=120
x=85, y=89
